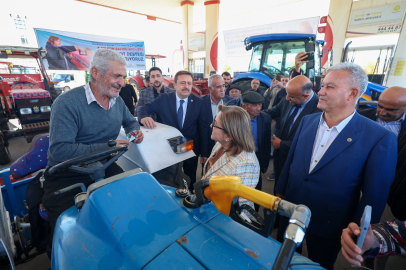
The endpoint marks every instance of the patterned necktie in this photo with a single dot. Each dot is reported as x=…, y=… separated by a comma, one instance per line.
x=180, y=113
x=289, y=123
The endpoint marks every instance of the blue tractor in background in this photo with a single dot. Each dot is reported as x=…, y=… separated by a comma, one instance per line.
x=274, y=54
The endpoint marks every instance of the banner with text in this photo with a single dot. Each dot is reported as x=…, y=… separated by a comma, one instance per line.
x=234, y=39
x=377, y=20
x=74, y=51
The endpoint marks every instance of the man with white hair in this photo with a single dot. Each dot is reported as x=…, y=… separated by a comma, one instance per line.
x=83, y=120
x=212, y=101
x=335, y=156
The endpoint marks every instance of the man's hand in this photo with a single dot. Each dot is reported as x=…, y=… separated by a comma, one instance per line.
x=280, y=85
x=139, y=138
x=203, y=160
x=148, y=122
x=299, y=60
x=349, y=249
x=274, y=83
x=122, y=142
x=276, y=142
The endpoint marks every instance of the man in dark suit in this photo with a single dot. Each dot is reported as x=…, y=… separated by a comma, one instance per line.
x=299, y=102
x=213, y=100
x=261, y=131
x=151, y=93
x=335, y=156
x=390, y=114
x=185, y=112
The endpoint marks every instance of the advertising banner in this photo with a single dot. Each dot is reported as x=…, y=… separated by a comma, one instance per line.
x=74, y=51
x=234, y=39
x=376, y=20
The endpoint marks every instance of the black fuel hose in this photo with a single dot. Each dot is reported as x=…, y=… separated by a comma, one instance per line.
x=285, y=255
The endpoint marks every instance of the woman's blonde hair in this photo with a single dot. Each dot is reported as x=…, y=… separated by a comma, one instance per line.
x=237, y=123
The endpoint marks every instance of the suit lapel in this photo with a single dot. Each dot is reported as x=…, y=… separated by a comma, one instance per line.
x=189, y=110
x=306, y=110
x=310, y=140
x=172, y=108
x=285, y=116
x=345, y=138
x=259, y=130
x=208, y=107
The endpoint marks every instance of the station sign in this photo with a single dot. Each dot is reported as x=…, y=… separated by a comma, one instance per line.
x=74, y=51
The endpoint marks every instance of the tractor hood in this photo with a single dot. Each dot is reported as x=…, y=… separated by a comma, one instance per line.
x=135, y=223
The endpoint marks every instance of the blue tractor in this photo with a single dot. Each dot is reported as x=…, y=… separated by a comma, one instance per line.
x=274, y=54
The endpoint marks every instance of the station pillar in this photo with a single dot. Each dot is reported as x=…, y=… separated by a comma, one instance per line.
x=187, y=23
x=212, y=23
x=337, y=23
x=397, y=74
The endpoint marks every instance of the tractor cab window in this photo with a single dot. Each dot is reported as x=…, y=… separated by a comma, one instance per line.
x=255, y=64
x=279, y=57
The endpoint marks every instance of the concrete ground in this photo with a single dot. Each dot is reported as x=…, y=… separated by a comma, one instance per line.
x=19, y=146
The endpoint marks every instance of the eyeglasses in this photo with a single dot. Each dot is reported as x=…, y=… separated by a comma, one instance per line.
x=213, y=125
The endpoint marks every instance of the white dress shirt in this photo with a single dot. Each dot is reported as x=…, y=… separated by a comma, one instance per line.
x=215, y=107
x=184, y=107
x=325, y=137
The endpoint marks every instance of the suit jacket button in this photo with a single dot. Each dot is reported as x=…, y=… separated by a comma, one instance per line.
x=305, y=180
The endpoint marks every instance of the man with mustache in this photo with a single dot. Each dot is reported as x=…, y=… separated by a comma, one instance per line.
x=211, y=102
x=335, y=156
x=151, y=93
x=83, y=120
x=184, y=111
x=261, y=131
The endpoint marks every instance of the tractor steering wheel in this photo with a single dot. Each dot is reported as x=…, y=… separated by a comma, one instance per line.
x=90, y=164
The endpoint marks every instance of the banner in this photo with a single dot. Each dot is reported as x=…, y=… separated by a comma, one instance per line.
x=74, y=51
x=234, y=39
x=376, y=20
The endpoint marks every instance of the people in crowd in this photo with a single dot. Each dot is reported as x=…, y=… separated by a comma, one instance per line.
x=299, y=102
x=382, y=239
x=147, y=82
x=212, y=101
x=185, y=112
x=83, y=120
x=255, y=83
x=261, y=131
x=127, y=93
x=151, y=93
x=300, y=59
x=390, y=114
x=270, y=93
x=233, y=153
x=330, y=163
x=227, y=81
x=235, y=92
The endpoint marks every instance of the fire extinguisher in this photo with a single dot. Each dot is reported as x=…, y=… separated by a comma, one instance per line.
x=10, y=102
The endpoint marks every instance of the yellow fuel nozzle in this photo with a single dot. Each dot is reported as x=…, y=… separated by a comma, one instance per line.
x=223, y=189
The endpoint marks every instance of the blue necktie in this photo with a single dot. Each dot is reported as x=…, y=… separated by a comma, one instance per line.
x=180, y=113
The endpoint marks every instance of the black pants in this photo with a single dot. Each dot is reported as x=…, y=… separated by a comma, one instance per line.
x=321, y=250
x=57, y=204
x=190, y=168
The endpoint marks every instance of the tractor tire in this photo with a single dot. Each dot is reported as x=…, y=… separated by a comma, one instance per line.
x=66, y=88
x=135, y=85
x=5, y=157
x=4, y=124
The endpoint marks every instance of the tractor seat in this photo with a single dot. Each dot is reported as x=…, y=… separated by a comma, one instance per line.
x=34, y=160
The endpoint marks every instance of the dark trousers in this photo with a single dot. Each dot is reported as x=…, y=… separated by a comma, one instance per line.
x=190, y=168
x=321, y=250
x=57, y=204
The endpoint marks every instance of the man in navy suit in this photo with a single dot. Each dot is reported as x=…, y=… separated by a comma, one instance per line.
x=212, y=101
x=261, y=131
x=185, y=112
x=335, y=156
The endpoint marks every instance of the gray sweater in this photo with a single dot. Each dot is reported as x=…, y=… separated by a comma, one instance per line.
x=78, y=128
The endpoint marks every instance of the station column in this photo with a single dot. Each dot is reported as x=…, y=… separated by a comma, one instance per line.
x=397, y=75
x=212, y=23
x=187, y=23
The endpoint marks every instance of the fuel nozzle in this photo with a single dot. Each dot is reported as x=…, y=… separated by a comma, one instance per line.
x=198, y=199
x=183, y=192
